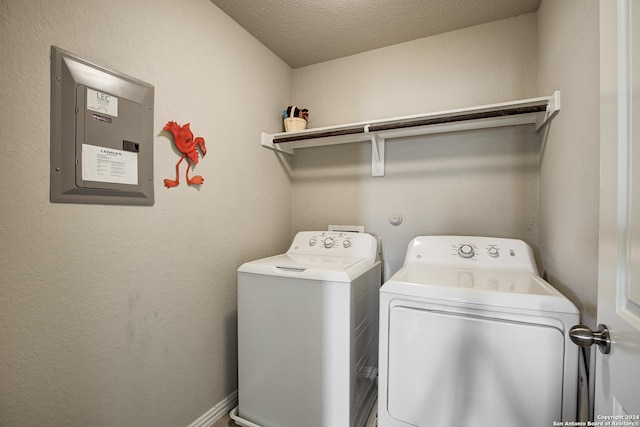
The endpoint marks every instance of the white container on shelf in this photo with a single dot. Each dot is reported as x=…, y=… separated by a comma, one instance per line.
x=294, y=124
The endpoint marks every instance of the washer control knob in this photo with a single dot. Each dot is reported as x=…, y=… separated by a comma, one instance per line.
x=313, y=241
x=328, y=242
x=493, y=252
x=346, y=243
x=465, y=251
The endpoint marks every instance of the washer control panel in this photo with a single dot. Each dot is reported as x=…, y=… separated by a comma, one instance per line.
x=331, y=241
x=471, y=250
x=339, y=243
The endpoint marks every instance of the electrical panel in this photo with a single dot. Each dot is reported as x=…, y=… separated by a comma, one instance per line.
x=101, y=134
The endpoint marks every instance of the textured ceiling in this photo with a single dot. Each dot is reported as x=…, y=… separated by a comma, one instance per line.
x=305, y=32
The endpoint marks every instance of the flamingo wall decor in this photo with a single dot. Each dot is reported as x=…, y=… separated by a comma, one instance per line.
x=187, y=145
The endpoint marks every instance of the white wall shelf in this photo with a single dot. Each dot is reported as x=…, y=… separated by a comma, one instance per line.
x=538, y=111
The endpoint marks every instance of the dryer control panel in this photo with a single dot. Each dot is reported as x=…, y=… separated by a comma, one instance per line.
x=490, y=252
x=338, y=243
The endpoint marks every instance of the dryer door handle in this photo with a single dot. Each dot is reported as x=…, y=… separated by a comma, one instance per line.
x=585, y=337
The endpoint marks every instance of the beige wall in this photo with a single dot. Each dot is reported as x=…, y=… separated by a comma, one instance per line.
x=113, y=315
x=508, y=183
x=120, y=315
x=480, y=65
x=477, y=183
x=568, y=59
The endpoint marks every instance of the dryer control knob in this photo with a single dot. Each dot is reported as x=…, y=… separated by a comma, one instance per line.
x=465, y=251
x=313, y=241
x=346, y=243
x=328, y=242
x=493, y=252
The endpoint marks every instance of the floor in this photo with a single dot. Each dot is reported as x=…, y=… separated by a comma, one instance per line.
x=225, y=421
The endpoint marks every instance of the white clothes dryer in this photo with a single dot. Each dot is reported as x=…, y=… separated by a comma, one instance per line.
x=471, y=335
x=308, y=333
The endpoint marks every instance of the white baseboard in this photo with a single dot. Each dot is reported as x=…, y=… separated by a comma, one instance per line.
x=221, y=408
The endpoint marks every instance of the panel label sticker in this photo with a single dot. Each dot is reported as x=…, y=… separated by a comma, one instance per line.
x=101, y=102
x=102, y=164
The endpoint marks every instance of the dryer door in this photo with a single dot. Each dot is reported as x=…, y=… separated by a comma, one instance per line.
x=448, y=368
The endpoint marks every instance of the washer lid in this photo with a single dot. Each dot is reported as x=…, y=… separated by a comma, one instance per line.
x=323, y=262
x=310, y=267
x=497, y=288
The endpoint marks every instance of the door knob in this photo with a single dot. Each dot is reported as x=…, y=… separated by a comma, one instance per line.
x=585, y=337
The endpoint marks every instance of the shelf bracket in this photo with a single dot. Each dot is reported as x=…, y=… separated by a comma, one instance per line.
x=553, y=108
x=267, y=141
x=377, y=155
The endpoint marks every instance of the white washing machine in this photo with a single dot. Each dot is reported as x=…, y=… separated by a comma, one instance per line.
x=308, y=333
x=471, y=335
